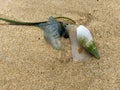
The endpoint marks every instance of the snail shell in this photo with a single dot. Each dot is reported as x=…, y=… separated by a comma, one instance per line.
x=78, y=52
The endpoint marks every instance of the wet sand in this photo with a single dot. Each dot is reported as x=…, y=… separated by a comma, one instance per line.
x=28, y=62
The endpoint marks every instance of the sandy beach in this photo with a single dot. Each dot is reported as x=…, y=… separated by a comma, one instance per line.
x=28, y=62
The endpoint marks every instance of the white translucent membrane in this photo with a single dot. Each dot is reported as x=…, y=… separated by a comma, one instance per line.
x=79, y=54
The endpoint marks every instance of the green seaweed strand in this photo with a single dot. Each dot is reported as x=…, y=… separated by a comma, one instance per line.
x=66, y=19
x=14, y=22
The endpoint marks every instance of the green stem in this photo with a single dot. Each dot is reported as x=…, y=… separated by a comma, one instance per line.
x=13, y=22
x=66, y=19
